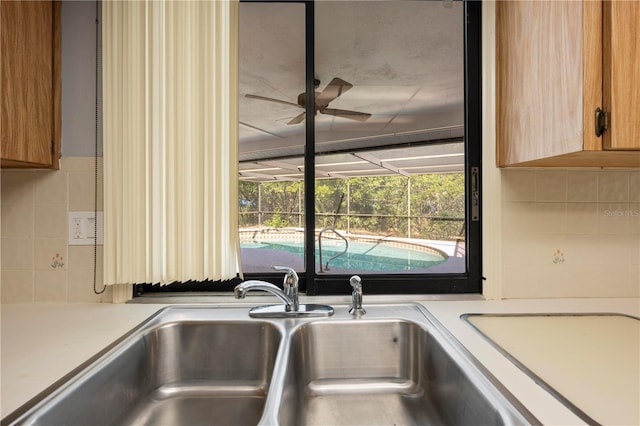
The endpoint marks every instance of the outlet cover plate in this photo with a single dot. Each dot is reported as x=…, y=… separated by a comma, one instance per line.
x=82, y=228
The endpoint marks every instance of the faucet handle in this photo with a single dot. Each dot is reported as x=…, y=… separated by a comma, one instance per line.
x=356, y=282
x=356, y=308
x=291, y=279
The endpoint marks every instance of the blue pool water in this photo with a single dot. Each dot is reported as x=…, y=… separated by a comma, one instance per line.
x=364, y=256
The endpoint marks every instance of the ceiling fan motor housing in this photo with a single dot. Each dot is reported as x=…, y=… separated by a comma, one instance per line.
x=333, y=90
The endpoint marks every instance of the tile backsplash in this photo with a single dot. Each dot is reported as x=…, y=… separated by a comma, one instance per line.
x=38, y=265
x=570, y=233
x=565, y=233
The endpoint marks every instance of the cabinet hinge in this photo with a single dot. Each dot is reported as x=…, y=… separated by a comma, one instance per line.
x=602, y=121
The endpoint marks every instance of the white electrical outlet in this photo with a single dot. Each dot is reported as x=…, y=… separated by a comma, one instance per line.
x=82, y=228
x=76, y=228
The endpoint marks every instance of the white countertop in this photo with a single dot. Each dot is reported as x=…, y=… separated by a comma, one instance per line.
x=571, y=346
x=40, y=343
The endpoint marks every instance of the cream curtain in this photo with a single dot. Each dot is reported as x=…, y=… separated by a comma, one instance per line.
x=170, y=140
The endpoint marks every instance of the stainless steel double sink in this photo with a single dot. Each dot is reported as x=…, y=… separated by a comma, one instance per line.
x=192, y=365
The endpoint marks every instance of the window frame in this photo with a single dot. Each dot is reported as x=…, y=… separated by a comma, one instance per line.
x=388, y=283
x=468, y=282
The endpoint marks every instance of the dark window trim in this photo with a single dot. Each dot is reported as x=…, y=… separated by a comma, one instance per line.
x=468, y=282
x=309, y=148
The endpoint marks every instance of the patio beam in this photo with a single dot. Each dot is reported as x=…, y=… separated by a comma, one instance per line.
x=380, y=163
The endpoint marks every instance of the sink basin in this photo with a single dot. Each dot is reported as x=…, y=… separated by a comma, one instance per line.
x=192, y=365
x=392, y=372
x=177, y=373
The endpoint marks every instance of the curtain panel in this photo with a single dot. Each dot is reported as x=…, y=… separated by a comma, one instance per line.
x=170, y=119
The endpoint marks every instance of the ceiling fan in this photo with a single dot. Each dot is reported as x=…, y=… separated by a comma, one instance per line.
x=334, y=89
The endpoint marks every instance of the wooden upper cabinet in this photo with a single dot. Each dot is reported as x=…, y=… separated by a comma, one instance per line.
x=30, y=83
x=555, y=67
x=621, y=72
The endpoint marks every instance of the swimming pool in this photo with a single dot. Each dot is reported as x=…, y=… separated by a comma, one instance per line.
x=362, y=255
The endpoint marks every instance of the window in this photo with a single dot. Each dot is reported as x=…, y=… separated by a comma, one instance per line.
x=383, y=181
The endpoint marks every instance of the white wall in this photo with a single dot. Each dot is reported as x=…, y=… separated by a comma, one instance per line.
x=79, y=79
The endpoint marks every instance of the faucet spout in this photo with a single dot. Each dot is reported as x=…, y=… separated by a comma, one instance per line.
x=241, y=290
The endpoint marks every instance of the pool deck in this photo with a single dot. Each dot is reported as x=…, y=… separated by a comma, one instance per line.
x=261, y=260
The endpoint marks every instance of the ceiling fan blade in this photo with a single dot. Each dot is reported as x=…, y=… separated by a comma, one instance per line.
x=263, y=98
x=352, y=115
x=297, y=119
x=335, y=88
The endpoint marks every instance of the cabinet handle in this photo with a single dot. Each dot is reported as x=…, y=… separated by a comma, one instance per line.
x=602, y=121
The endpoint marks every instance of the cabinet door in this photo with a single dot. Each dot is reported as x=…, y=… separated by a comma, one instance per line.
x=27, y=81
x=539, y=78
x=621, y=73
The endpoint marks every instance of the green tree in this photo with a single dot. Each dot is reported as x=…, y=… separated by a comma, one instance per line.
x=281, y=200
x=377, y=204
x=331, y=201
x=436, y=197
x=248, y=203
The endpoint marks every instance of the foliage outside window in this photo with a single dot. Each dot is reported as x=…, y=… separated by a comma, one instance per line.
x=429, y=206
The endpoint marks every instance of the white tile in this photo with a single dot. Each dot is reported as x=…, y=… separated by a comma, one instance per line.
x=51, y=221
x=519, y=185
x=17, y=286
x=613, y=186
x=634, y=251
x=81, y=257
x=50, y=286
x=551, y=185
x=601, y=281
x=615, y=281
x=582, y=186
x=18, y=220
x=536, y=282
x=518, y=217
x=582, y=218
x=551, y=218
x=553, y=281
x=82, y=192
x=634, y=218
x=80, y=164
x=532, y=250
x=51, y=187
x=558, y=256
x=17, y=253
x=81, y=286
x=51, y=254
x=634, y=280
x=613, y=218
x=17, y=188
x=615, y=250
x=518, y=250
x=544, y=248
x=634, y=187
x=518, y=282
x=584, y=250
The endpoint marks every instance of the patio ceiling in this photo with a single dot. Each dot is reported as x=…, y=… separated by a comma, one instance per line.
x=405, y=62
x=428, y=158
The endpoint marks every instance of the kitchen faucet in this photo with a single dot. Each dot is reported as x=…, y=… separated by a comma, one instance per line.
x=290, y=307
